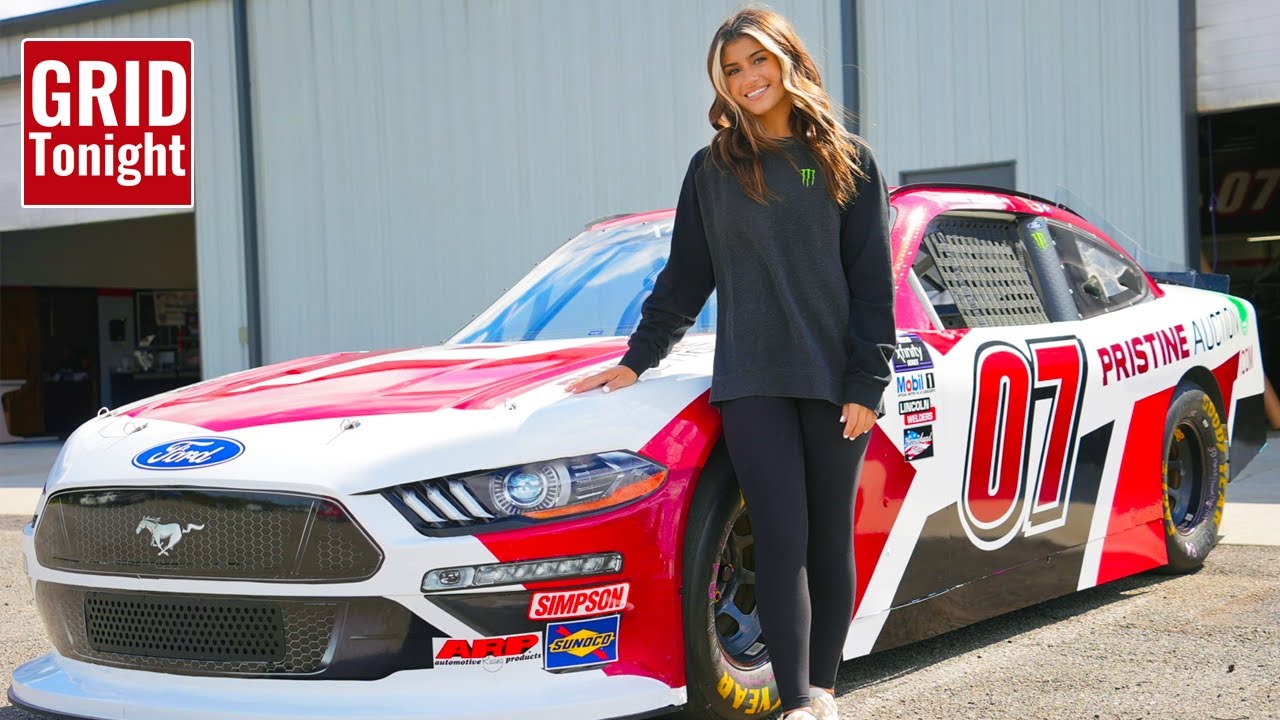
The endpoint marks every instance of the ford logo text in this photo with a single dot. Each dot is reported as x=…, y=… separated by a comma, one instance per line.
x=190, y=453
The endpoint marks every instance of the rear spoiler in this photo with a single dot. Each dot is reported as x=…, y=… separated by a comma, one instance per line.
x=1190, y=278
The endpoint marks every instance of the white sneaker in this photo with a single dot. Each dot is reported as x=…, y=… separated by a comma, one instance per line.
x=800, y=715
x=824, y=705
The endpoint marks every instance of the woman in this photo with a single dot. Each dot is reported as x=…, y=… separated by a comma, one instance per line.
x=787, y=215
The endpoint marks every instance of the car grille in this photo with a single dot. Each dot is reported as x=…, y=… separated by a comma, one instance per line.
x=185, y=629
x=353, y=638
x=204, y=534
x=190, y=634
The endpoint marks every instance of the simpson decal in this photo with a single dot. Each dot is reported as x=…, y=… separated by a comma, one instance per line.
x=579, y=643
x=578, y=603
x=490, y=653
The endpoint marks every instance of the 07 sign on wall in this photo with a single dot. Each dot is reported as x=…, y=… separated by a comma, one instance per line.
x=1021, y=453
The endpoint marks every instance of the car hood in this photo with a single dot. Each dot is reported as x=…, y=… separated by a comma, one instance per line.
x=353, y=422
x=360, y=384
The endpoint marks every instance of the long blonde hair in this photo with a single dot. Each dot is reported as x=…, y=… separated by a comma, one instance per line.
x=740, y=138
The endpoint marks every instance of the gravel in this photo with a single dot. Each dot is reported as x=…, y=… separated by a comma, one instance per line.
x=1205, y=645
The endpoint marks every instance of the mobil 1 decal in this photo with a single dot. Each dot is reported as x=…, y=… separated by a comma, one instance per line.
x=1012, y=484
x=1015, y=531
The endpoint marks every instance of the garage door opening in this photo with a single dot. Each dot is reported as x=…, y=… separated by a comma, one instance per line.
x=95, y=315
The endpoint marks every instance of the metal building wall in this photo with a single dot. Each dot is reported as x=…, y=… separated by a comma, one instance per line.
x=219, y=243
x=1237, y=53
x=1083, y=94
x=416, y=158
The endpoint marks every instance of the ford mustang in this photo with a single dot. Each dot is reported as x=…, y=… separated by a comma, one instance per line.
x=444, y=532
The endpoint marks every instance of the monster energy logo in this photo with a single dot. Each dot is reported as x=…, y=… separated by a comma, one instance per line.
x=806, y=177
x=1042, y=241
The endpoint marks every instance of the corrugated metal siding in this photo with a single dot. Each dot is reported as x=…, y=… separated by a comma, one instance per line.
x=416, y=158
x=219, y=239
x=1237, y=53
x=1083, y=94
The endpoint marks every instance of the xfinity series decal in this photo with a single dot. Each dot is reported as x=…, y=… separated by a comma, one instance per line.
x=490, y=653
x=189, y=453
x=578, y=603
x=579, y=643
x=911, y=354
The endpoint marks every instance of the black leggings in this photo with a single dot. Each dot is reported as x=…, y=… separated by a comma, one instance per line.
x=799, y=476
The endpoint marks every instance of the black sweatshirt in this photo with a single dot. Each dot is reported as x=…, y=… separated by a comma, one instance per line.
x=805, y=287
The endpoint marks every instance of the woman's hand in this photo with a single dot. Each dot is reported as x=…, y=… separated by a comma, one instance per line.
x=618, y=376
x=857, y=419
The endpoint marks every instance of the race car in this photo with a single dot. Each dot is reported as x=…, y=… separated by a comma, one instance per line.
x=445, y=532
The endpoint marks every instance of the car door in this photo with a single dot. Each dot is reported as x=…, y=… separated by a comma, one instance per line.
x=986, y=401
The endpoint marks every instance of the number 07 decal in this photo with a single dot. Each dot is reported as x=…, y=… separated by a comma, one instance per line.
x=1018, y=472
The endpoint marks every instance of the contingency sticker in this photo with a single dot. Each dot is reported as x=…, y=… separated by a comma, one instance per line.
x=490, y=653
x=579, y=643
x=911, y=355
x=917, y=443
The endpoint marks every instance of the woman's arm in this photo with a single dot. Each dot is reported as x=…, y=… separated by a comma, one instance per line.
x=681, y=288
x=865, y=253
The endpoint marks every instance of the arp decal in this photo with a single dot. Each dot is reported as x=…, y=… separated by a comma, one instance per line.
x=1143, y=353
x=491, y=653
x=917, y=443
x=911, y=355
x=579, y=643
x=1010, y=486
x=915, y=383
x=578, y=603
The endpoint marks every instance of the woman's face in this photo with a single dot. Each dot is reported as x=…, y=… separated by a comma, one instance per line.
x=753, y=76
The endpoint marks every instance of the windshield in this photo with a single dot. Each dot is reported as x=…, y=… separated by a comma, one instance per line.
x=591, y=286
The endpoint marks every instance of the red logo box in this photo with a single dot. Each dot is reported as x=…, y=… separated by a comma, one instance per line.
x=107, y=123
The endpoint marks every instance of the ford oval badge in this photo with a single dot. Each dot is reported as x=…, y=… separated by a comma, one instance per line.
x=190, y=453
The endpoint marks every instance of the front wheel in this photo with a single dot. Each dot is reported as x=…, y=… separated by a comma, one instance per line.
x=727, y=667
x=1194, y=477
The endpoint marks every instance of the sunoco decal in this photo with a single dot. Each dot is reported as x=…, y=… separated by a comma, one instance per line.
x=190, y=453
x=911, y=355
x=579, y=643
x=578, y=603
x=490, y=653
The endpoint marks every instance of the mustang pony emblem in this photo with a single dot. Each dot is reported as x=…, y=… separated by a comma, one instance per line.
x=170, y=533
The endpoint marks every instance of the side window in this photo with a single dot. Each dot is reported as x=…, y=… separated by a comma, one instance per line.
x=1101, y=280
x=975, y=273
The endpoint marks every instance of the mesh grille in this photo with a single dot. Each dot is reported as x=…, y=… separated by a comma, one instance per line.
x=188, y=629
x=986, y=275
x=204, y=534
x=294, y=641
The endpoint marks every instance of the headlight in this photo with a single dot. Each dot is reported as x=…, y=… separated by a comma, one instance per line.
x=554, y=488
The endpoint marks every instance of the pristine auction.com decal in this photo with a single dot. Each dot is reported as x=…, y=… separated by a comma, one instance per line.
x=107, y=123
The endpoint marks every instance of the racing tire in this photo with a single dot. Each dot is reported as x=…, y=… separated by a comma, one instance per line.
x=727, y=671
x=1194, y=476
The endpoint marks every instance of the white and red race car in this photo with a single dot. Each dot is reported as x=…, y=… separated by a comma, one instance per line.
x=444, y=532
